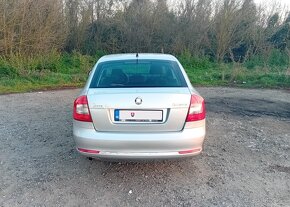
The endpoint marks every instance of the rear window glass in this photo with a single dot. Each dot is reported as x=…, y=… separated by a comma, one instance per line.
x=141, y=73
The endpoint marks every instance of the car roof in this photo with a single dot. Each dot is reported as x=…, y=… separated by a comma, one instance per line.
x=141, y=56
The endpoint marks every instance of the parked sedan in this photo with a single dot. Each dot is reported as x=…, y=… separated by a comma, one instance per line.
x=139, y=106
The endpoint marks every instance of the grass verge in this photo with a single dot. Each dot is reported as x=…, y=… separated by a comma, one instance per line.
x=56, y=71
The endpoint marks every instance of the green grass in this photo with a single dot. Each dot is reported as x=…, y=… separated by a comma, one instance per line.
x=238, y=77
x=18, y=74
x=49, y=81
x=54, y=71
x=269, y=74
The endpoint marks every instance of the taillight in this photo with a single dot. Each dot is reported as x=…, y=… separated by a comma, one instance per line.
x=196, y=109
x=88, y=151
x=190, y=151
x=81, y=109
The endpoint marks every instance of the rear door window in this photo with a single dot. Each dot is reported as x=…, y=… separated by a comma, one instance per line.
x=138, y=73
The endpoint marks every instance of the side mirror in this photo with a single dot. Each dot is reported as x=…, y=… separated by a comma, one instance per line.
x=90, y=71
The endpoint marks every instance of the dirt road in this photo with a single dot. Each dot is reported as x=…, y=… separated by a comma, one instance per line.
x=246, y=158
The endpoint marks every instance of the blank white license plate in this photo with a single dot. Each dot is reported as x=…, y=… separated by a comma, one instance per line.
x=138, y=115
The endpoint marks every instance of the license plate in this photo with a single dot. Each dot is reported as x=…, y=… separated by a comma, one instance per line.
x=138, y=115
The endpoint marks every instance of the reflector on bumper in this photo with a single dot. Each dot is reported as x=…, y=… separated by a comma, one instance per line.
x=88, y=151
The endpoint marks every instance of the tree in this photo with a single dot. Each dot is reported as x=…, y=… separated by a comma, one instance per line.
x=30, y=27
x=225, y=27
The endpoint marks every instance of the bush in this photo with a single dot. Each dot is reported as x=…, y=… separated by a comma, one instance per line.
x=277, y=58
x=76, y=63
x=7, y=70
x=196, y=63
x=70, y=69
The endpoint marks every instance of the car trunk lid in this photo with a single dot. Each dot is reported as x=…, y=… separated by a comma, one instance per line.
x=139, y=109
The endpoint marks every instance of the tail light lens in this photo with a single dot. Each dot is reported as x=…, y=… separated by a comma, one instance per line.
x=81, y=109
x=196, y=109
x=88, y=151
x=190, y=151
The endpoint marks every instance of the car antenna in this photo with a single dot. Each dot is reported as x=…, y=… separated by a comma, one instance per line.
x=137, y=56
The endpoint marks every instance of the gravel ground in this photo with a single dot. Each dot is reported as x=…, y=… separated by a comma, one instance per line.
x=246, y=158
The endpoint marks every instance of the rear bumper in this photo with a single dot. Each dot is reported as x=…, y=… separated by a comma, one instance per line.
x=131, y=146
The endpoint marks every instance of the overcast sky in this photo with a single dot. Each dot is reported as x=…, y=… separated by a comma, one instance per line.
x=283, y=2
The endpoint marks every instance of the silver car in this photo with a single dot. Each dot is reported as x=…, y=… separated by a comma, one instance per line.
x=139, y=106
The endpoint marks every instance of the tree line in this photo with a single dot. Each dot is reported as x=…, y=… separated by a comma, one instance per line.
x=222, y=30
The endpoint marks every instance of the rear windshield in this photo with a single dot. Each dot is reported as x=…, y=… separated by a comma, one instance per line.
x=141, y=73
